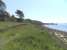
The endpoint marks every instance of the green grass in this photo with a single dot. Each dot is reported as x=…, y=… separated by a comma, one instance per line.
x=27, y=37
x=5, y=24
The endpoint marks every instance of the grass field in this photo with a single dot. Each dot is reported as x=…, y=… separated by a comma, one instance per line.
x=26, y=37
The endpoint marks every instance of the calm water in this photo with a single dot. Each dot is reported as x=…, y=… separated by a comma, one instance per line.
x=61, y=26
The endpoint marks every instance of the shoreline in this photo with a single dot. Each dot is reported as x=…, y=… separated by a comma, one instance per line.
x=52, y=29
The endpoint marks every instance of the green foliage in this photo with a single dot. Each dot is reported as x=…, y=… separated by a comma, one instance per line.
x=2, y=6
x=27, y=20
x=33, y=21
x=13, y=18
x=20, y=14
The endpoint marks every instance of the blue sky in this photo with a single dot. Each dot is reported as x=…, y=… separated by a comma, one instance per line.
x=52, y=11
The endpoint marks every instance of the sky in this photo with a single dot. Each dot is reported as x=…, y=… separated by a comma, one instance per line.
x=47, y=11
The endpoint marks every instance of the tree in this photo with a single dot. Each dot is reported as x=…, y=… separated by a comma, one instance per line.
x=2, y=10
x=13, y=18
x=2, y=7
x=6, y=16
x=20, y=14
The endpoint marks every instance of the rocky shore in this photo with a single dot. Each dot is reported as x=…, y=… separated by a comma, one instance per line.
x=62, y=35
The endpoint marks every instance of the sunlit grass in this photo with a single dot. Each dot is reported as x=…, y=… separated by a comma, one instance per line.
x=27, y=37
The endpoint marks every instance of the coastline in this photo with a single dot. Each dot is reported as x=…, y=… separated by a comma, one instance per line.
x=53, y=29
x=58, y=35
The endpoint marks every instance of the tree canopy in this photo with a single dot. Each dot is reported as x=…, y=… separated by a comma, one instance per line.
x=2, y=7
x=20, y=13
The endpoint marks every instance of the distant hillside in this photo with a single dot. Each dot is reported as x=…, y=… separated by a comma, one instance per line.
x=49, y=23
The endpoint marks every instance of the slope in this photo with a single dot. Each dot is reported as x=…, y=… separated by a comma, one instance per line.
x=27, y=37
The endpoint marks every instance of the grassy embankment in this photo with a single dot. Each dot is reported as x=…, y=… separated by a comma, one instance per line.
x=26, y=37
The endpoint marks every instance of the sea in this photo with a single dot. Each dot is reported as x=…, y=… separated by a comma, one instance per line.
x=58, y=26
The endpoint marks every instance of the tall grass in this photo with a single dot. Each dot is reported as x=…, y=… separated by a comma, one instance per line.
x=27, y=37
